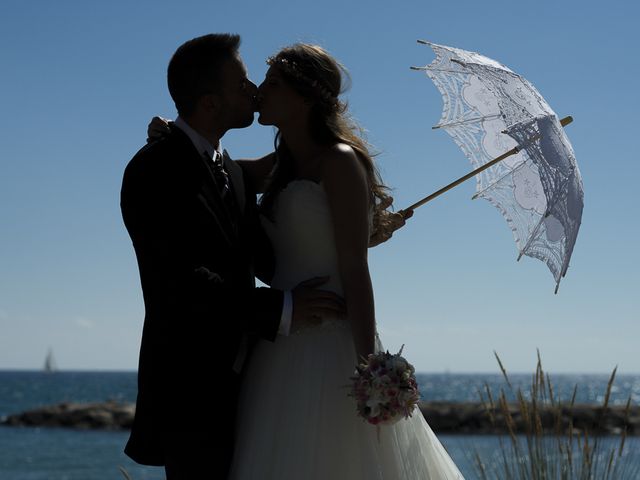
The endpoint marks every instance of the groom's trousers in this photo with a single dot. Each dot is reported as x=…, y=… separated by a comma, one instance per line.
x=196, y=453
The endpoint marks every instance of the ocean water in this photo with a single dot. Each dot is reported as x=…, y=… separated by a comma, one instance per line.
x=57, y=454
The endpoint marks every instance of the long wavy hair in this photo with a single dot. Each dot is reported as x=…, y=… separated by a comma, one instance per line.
x=315, y=74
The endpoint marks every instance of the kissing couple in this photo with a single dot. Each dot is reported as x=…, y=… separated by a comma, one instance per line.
x=243, y=382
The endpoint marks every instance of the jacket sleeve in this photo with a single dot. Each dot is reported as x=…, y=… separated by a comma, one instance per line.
x=194, y=304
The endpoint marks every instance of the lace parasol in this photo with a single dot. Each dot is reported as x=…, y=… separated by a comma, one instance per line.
x=536, y=185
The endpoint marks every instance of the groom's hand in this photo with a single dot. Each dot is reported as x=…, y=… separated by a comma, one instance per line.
x=311, y=304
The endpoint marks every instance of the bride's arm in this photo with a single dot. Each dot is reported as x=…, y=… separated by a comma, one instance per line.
x=258, y=170
x=345, y=182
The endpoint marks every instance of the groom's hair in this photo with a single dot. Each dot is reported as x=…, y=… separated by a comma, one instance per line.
x=195, y=68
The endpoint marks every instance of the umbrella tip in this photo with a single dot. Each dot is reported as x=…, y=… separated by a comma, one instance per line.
x=566, y=120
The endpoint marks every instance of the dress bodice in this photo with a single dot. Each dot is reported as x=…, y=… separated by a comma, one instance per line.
x=302, y=236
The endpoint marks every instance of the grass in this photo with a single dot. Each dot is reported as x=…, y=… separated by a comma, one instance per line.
x=124, y=472
x=551, y=448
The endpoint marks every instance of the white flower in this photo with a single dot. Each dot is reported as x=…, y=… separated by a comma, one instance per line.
x=400, y=364
x=374, y=404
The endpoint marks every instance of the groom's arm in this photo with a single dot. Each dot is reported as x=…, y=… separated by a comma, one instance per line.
x=155, y=197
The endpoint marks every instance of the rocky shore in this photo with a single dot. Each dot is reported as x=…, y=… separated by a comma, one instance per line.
x=443, y=417
x=101, y=416
x=473, y=418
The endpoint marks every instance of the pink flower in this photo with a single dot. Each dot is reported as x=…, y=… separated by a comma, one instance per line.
x=385, y=389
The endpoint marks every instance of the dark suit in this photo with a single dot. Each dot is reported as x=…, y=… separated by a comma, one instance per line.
x=196, y=259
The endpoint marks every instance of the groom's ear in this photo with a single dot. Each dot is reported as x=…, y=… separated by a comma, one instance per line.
x=211, y=102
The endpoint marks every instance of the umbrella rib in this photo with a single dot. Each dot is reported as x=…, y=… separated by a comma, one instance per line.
x=446, y=70
x=466, y=122
x=531, y=237
x=510, y=172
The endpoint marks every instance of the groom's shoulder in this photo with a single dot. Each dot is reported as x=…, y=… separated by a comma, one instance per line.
x=158, y=149
x=159, y=154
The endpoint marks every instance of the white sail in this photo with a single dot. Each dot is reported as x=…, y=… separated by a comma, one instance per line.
x=50, y=362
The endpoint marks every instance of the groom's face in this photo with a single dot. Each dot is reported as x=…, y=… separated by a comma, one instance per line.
x=238, y=94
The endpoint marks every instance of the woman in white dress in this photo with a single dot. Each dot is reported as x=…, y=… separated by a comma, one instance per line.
x=322, y=202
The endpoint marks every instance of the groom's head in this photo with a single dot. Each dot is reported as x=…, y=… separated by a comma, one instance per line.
x=208, y=82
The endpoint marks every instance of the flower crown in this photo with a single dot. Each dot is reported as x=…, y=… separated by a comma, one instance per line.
x=291, y=68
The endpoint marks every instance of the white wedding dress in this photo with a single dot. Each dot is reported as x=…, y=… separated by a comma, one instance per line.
x=295, y=420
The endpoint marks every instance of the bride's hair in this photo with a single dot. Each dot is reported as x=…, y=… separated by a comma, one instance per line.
x=315, y=74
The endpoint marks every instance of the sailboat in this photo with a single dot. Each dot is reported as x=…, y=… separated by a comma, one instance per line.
x=50, y=362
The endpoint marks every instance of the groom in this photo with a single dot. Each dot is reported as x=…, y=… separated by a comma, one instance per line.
x=195, y=231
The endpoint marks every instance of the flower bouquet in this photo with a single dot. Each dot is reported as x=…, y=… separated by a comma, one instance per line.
x=385, y=388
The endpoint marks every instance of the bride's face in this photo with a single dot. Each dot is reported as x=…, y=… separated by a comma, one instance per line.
x=278, y=103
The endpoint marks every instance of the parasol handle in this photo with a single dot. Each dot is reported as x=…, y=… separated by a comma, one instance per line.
x=564, y=122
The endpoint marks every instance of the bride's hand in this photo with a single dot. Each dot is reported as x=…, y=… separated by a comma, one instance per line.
x=389, y=223
x=158, y=128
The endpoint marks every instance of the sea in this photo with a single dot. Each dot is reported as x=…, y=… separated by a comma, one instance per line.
x=31, y=453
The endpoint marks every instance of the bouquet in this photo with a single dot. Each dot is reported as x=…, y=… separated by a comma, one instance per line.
x=385, y=388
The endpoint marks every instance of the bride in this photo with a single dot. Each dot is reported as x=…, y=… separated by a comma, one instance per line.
x=322, y=201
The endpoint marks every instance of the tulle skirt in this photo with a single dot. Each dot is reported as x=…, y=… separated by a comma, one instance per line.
x=295, y=420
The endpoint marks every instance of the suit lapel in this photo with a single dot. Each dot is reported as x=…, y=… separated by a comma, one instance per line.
x=219, y=215
x=209, y=195
x=217, y=205
x=236, y=180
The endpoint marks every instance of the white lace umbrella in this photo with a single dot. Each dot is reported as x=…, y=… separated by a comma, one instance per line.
x=536, y=184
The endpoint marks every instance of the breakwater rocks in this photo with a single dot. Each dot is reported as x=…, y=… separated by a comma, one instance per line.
x=443, y=417
x=103, y=416
x=473, y=418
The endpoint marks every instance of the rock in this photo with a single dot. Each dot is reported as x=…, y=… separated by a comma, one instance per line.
x=445, y=417
x=109, y=415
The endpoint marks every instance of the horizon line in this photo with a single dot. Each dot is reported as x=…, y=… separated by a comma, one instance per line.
x=425, y=372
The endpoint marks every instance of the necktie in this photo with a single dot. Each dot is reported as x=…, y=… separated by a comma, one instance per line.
x=220, y=175
x=221, y=178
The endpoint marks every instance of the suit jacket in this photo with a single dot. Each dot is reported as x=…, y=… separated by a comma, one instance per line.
x=195, y=258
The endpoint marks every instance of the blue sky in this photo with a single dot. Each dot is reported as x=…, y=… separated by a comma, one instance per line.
x=80, y=81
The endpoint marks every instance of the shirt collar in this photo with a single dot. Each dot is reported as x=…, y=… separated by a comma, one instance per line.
x=202, y=144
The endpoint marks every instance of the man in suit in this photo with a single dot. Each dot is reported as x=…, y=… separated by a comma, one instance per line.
x=194, y=228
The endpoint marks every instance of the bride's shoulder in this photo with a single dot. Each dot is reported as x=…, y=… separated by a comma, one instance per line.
x=339, y=150
x=341, y=161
